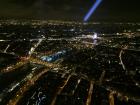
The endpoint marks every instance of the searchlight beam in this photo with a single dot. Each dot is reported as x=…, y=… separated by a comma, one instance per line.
x=92, y=10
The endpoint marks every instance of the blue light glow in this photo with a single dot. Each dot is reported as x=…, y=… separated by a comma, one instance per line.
x=92, y=10
x=54, y=57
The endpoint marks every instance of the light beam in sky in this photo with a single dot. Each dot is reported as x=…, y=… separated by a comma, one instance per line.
x=92, y=10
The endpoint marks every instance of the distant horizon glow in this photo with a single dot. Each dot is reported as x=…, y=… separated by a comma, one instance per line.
x=92, y=10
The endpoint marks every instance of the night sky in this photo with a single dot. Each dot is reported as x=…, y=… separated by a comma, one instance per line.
x=109, y=10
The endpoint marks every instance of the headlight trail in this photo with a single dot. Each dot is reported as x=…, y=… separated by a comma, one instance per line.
x=92, y=10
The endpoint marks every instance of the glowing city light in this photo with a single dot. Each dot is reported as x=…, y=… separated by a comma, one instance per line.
x=54, y=57
x=95, y=36
x=92, y=10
